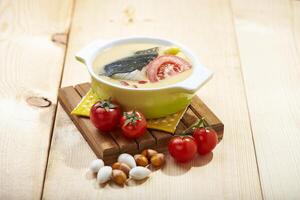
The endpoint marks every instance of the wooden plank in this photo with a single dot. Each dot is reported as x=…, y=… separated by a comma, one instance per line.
x=296, y=22
x=83, y=88
x=31, y=60
x=271, y=68
x=126, y=145
x=161, y=138
x=80, y=90
x=189, y=118
x=103, y=149
x=232, y=172
x=146, y=141
x=180, y=128
x=199, y=108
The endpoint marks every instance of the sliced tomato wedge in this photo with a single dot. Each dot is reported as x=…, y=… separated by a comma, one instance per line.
x=165, y=66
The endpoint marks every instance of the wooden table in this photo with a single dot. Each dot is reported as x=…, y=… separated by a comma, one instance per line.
x=252, y=46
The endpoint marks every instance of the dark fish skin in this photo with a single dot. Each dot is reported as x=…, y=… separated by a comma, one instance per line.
x=129, y=64
x=147, y=51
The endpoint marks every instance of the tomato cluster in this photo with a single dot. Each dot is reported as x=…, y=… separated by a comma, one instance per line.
x=183, y=148
x=106, y=115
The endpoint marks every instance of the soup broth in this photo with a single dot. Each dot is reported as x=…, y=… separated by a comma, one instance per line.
x=142, y=65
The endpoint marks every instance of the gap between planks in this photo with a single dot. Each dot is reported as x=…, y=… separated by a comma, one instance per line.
x=59, y=86
x=245, y=94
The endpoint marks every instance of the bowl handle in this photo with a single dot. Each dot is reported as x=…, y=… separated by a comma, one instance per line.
x=87, y=53
x=193, y=84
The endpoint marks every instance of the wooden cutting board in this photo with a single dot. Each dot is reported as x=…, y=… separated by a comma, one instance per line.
x=108, y=146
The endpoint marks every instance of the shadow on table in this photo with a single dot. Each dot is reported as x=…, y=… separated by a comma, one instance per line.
x=130, y=182
x=174, y=168
x=112, y=185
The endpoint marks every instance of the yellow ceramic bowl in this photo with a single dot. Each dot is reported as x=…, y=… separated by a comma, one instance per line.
x=152, y=102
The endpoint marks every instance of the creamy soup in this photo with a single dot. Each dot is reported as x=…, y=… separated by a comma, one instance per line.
x=142, y=65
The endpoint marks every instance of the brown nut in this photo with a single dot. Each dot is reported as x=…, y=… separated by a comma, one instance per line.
x=148, y=153
x=158, y=160
x=116, y=165
x=119, y=177
x=125, y=168
x=121, y=166
x=141, y=160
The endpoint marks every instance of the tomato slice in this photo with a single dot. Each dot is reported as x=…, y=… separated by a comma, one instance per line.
x=165, y=66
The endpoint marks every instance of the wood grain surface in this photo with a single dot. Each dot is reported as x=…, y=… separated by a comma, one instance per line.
x=30, y=70
x=253, y=47
x=231, y=171
x=271, y=68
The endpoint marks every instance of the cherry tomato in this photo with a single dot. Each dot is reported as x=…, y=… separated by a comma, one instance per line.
x=206, y=139
x=182, y=148
x=105, y=115
x=165, y=66
x=133, y=124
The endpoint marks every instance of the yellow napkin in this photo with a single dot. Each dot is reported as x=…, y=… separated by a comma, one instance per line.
x=167, y=124
x=84, y=106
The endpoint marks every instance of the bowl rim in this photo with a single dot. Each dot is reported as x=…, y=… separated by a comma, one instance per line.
x=191, y=84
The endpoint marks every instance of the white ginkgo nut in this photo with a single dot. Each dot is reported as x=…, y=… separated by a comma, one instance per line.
x=104, y=174
x=96, y=165
x=127, y=159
